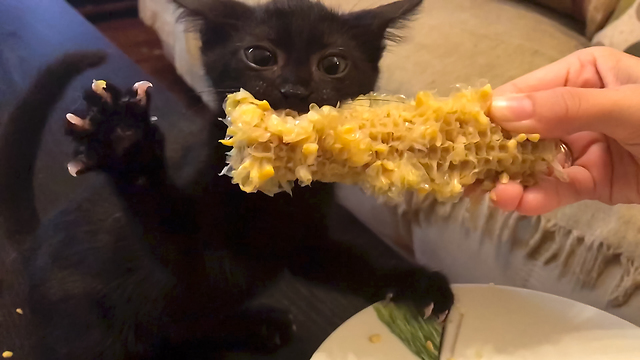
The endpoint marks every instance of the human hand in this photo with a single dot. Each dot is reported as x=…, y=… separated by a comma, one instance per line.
x=591, y=101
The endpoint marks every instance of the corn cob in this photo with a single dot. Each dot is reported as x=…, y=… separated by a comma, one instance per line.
x=387, y=145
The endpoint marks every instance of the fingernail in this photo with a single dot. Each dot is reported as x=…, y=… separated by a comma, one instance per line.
x=512, y=108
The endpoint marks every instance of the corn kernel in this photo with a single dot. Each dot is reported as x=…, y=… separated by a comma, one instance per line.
x=304, y=174
x=521, y=137
x=375, y=338
x=266, y=173
x=389, y=165
x=381, y=148
x=7, y=354
x=534, y=137
x=430, y=346
x=387, y=145
x=310, y=149
x=263, y=105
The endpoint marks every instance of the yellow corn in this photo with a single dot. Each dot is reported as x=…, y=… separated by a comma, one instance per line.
x=388, y=145
x=430, y=346
x=375, y=338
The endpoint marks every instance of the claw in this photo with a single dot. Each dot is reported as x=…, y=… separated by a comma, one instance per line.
x=388, y=298
x=99, y=86
x=428, y=310
x=443, y=316
x=79, y=166
x=141, y=90
x=83, y=123
x=74, y=167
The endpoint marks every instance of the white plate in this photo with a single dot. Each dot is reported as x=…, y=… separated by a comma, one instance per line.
x=499, y=323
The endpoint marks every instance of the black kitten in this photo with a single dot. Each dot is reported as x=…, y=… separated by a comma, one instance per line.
x=165, y=271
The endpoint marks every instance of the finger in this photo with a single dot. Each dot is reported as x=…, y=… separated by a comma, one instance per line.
x=536, y=200
x=548, y=195
x=507, y=196
x=577, y=70
x=560, y=112
x=581, y=142
x=551, y=193
x=588, y=179
x=594, y=67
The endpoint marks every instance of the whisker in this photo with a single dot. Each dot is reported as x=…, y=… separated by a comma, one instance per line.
x=354, y=6
x=217, y=90
x=371, y=102
x=380, y=99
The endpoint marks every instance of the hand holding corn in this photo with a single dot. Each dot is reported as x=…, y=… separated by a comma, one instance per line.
x=387, y=145
x=590, y=100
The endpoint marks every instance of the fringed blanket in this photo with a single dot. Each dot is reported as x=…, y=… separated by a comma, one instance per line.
x=584, y=238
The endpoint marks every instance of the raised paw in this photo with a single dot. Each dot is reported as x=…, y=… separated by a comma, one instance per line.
x=268, y=329
x=428, y=292
x=117, y=134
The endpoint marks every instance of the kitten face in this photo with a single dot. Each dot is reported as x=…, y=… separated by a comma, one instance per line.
x=293, y=53
x=292, y=60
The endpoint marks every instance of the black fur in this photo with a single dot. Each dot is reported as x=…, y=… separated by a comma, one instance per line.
x=147, y=269
x=20, y=140
x=19, y=144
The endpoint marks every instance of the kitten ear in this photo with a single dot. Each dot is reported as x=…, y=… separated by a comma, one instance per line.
x=383, y=18
x=217, y=12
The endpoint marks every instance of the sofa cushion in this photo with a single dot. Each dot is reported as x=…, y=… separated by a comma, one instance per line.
x=622, y=32
x=594, y=13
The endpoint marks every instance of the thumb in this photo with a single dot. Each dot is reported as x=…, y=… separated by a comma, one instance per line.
x=563, y=111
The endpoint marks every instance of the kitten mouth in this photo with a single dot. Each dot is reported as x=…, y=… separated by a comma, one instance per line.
x=300, y=109
x=297, y=106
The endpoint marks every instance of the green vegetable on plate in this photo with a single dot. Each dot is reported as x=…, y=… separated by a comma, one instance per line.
x=421, y=336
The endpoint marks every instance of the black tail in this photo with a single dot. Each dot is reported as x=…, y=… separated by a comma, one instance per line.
x=20, y=140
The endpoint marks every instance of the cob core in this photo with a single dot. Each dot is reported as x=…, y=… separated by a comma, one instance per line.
x=387, y=145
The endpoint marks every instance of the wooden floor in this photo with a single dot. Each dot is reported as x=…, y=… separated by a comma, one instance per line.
x=143, y=46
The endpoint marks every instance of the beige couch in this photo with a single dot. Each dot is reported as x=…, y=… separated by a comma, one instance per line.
x=466, y=42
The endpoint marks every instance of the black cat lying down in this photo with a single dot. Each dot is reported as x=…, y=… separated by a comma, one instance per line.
x=149, y=269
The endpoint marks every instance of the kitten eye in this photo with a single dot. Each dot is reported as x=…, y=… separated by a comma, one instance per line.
x=333, y=65
x=259, y=56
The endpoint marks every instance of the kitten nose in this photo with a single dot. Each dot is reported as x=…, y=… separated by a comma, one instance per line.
x=294, y=91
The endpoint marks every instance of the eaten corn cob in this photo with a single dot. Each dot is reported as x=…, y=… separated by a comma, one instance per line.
x=387, y=145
